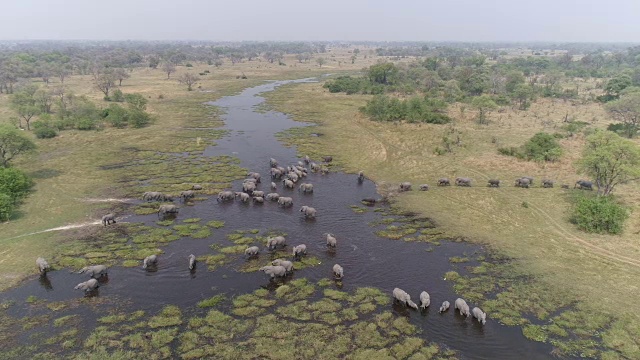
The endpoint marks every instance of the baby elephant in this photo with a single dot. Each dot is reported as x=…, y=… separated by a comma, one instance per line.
x=149, y=260
x=425, y=300
x=444, y=307
x=424, y=187
x=88, y=285
x=258, y=200
x=361, y=177
x=461, y=305
x=546, y=183
x=401, y=296
x=494, y=183
x=273, y=242
x=480, y=315
x=273, y=185
x=306, y=188
x=308, y=211
x=196, y=187
x=192, y=262
x=108, y=219
x=299, y=250
x=444, y=182
x=285, y=201
x=286, y=264
x=405, y=186
x=43, y=265
x=244, y=197
x=331, y=240
x=338, y=271
x=252, y=251
x=94, y=271
x=274, y=271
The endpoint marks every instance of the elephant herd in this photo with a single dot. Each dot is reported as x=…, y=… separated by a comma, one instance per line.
x=95, y=272
x=522, y=182
x=401, y=296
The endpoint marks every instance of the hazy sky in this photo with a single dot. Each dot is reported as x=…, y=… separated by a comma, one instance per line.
x=459, y=20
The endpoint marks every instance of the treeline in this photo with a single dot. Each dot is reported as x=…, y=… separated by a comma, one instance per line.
x=415, y=109
x=14, y=184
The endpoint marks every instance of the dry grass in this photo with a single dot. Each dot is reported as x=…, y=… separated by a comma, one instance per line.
x=68, y=167
x=602, y=271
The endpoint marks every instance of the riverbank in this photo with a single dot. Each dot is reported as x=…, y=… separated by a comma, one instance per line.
x=585, y=284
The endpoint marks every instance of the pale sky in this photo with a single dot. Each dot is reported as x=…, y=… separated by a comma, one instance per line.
x=350, y=20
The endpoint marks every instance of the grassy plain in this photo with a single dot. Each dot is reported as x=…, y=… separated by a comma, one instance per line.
x=78, y=172
x=597, y=274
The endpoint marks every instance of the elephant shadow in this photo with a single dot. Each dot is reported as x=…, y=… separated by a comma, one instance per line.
x=151, y=268
x=104, y=279
x=92, y=293
x=45, y=282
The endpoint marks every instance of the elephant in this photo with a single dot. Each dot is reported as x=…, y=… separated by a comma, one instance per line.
x=94, y=271
x=360, y=177
x=286, y=264
x=405, y=186
x=272, y=196
x=401, y=296
x=324, y=170
x=149, y=260
x=274, y=270
x=298, y=173
x=273, y=242
x=282, y=170
x=461, y=305
x=244, y=197
x=369, y=201
x=327, y=159
x=225, y=196
x=423, y=187
x=463, y=181
x=494, y=183
x=523, y=183
x=192, y=262
x=425, y=300
x=444, y=307
x=308, y=212
x=255, y=175
x=196, y=187
x=546, y=183
x=584, y=185
x=43, y=265
x=151, y=195
x=285, y=201
x=186, y=195
x=306, y=159
x=273, y=162
x=248, y=187
x=273, y=186
x=258, y=200
x=167, y=209
x=299, y=250
x=300, y=164
x=479, y=314
x=252, y=251
x=288, y=183
x=338, y=271
x=109, y=219
x=331, y=240
x=306, y=188
x=528, y=178
x=315, y=167
x=258, y=193
x=293, y=177
x=275, y=173
x=444, y=182
x=88, y=285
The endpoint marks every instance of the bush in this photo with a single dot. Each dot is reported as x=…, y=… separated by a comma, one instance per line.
x=116, y=115
x=45, y=132
x=384, y=108
x=117, y=96
x=598, y=214
x=85, y=124
x=541, y=147
x=188, y=65
x=346, y=84
x=6, y=207
x=14, y=183
x=139, y=118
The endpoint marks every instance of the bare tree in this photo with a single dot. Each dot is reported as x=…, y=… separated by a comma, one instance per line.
x=169, y=68
x=104, y=80
x=121, y=74
x=188, y=79
x=61, y=72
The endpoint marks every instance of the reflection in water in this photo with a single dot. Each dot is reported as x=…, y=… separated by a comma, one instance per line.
x=45, y=282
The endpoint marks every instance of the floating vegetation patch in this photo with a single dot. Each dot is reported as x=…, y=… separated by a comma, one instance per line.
x=358, y=209
x=216, y=224
x=212, y=301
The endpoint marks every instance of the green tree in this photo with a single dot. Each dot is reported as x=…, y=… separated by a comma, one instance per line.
x=616, y=85
x=627, y=111
x=321, y=61
x=14, y=183
x=523, y=94
x=23, y=102
x=542, y=147
x=6, y=207
x=513, y=79
x=136, y=101
x=382, y=73
x=610, y=160
x=13, y=142
x=484, y=104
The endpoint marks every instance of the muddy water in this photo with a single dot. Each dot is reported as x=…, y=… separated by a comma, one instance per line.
x=368, y=260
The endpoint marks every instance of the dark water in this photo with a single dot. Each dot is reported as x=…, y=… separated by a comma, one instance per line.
x=367, y=259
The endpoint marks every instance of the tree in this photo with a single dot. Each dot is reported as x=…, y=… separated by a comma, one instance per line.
x=188, y=79
x=136, y=101
x=382, y=73
x=24, y=103
x=121, y=74
x=169, y=68
x=104, y=80
x=321, y=61
x=154, y=61
x=484, y=104
x=13, y=142
x=523, y=94
x=300, y=58
x=513, y=79
x=61, y=71
x=43, y=100
x=610, y=160
x=217, y=62
x=627, y=111
x=616, y=85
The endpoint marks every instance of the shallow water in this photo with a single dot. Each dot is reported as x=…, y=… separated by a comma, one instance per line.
x=368, y=260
